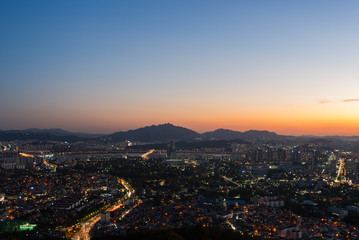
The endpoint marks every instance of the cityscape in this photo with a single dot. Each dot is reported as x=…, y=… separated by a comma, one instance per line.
x=179, y=120
x=262, y=186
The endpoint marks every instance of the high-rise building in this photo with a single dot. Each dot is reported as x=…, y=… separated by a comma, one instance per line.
x=171, y=149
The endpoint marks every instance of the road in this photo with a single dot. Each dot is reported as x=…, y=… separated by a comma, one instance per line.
x=53, y=166
x=145, y=156
x=85, y=228
x=230, y=180
x=84, y=233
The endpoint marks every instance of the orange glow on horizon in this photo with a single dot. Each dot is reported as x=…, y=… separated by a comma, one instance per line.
x=286, y=126
x=314, y=119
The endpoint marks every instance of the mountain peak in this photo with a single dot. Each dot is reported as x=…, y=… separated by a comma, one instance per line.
x=156, y=133
x=164, y=125
x=222, y=134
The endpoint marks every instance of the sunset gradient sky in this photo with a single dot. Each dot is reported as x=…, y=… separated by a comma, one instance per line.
x=102, y=66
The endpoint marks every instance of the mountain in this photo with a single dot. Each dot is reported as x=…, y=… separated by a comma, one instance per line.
x=52, y=131
x=222, y=134
x=61, y=132
x=149, y=134
x=155, y=133
x=158, y=134
x=166, y=132
x=12, y=135
x=225, y=134
x=255, y=134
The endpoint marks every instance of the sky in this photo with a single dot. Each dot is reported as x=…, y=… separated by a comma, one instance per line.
x=105, y=66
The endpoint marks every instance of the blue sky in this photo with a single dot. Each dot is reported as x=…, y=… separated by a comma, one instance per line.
x=103, y=66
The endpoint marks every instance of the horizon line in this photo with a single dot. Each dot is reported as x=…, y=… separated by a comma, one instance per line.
x=199, y=132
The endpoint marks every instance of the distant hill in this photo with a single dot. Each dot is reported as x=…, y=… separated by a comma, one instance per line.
x=255, y=134
x=155, y=133
x=159, y=134
x=12, y=135
x=61, y=132
x=225, y=134
x=222, y=134
x=166, y=132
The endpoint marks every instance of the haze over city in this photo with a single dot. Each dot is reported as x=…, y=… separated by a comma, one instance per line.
x=106, y=66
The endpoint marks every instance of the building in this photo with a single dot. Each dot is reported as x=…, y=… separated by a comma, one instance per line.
x=340, y=212
x=105, y=217
x=291, y=232
x=171, y=149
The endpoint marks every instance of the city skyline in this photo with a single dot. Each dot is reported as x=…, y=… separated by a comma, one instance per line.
x=102, y=67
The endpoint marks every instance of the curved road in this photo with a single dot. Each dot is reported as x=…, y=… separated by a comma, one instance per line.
x=84, y=232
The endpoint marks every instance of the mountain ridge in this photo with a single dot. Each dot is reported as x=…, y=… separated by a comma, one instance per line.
x=154, y=133
x=61, y=132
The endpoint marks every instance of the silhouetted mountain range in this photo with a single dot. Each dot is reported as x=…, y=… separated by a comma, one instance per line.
x=151, y=134
x=156, y=133
x=225, y=134
x=61, y=132
x=12, y=135
x=222, y=134
x=166, y=132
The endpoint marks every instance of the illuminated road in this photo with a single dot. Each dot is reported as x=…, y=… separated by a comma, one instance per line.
x=84, y=233
x=340, y=169
x=231, y=225
x=230, y=180
x=26, y=155
x=85, y=228
x=50, y=165
x=145, y=156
